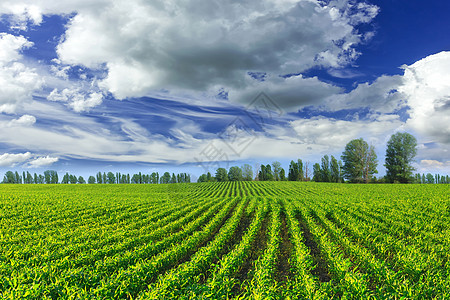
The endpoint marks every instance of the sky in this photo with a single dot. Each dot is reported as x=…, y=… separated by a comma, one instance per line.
x=190, y=86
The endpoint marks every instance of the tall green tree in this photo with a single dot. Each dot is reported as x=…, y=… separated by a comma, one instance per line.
x=282, y=175
x=429, y=178
x=276, y=170
x=111, y=178
x=18, y=177
x=400, y=152
x=9, y=177
x=301, y=174
x=221, y=175
x=317, y=175
x=99, y=177
x=262, y=173
x=360, y=161
x=269, y=173
x=325, y=172
x=235, y=174
x=293, y=171
x=165, y=178
x=91, y=179
x=335, y=170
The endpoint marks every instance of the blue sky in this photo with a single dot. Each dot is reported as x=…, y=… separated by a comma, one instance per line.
x=104, y=85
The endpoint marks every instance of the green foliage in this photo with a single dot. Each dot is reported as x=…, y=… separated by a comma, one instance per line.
x=235, y=174
x=360, y=161
x=317, y=173
x=247, y=172
x=400, y=152
x=276, y=165
x=325, y=172
x=221, y=175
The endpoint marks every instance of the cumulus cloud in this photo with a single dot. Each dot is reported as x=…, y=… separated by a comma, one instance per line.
x=42, y=162
x=433, y=166
x=26, y=159
x=10, y=160
x=335, y=134
x=22, y=14
x=77, y=99
x=380, y=96
x=426, y=85
x=290, y=93
x=17, y=82
x=25, y=120
x=197, y=45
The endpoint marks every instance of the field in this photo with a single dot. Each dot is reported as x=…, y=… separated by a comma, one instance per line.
x=257, y=240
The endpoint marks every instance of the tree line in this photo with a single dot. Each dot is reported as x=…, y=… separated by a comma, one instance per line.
x=358, y=164
x=51, y=177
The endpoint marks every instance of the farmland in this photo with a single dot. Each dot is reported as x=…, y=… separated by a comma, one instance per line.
x=256, y=240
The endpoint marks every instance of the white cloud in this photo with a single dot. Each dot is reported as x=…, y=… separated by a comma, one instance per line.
x=10, y=47
x=25, y=120
x=85, y=104
x=10, y=160
x=42, y=161
x=22, y=14
x=426, y=85
x=26, y=159
x=198, y=45
x=77, y=99
x=290, y=94
x=380, y=96
x=335, y=134
x=433, y=166
x=60, y=71
x=17, y=82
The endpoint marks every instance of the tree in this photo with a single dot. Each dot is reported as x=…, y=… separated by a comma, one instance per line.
x=202, y=178
x=269, y=173
x=110, y=177
x=235, y=174
x=325, y=173
x=29, y=177
x=265, y=174
x=316, y=172
x=9, y=177
x=429, y=178
x=247, y=172
x=360, y=161
x=282, y=175
x=293, y=171
x=50, y=177
x=18, y=177
x=165, y=178
x=99, y=177
x=81, y=180
x=335, y=170
x=400, y=152
x=301, y=176
x=91, y=180
x=262, y=173
x=73, y=179
x=221, y=175
x=65, y=179
x=276, y=170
